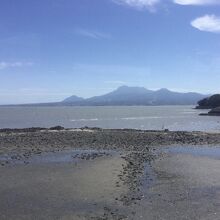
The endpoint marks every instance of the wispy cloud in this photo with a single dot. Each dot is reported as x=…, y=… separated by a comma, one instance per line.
x=140, y=4
x=197, y=2
x=210, y=23
x=92, y=34
x=5, y=65
x=110, y=70
x=118, y=82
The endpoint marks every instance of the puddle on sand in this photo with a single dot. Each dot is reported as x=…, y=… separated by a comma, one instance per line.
x=58, y=157
x=212, y=151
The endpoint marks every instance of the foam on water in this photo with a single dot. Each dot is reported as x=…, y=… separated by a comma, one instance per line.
x=85, y=119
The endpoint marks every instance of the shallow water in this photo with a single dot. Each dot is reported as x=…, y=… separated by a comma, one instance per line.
x=210, y=151
x=60, y=190
x=66, y=156
x=135, y=117
x=187, y=185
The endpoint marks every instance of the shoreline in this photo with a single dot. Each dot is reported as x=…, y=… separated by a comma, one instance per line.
x=61, y=128
x=30, y=141
x=93, y=173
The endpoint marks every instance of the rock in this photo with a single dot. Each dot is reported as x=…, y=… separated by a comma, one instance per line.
x=215, y=112
x=57, y=128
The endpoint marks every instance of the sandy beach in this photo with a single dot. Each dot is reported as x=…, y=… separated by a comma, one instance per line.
x=109, y=174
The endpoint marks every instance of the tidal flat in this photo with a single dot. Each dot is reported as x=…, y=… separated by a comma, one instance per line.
x=93, y=173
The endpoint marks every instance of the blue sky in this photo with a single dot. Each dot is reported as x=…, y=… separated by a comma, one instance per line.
x=50, y=49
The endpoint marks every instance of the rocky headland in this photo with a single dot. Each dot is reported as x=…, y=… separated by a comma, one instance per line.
x=213, y=103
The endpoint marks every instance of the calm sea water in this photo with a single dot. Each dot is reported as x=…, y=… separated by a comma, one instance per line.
x=138, y=117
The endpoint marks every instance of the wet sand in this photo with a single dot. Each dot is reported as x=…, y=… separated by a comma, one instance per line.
x=187, y=186
x=80, y=189
x=115, y=174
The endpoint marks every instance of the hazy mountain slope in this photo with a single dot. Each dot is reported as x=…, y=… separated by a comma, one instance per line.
x=73, y=98
x=140, y=96
x=167, y=97
x=122, y=96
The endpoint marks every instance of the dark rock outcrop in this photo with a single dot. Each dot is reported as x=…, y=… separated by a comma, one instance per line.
x=215, y=112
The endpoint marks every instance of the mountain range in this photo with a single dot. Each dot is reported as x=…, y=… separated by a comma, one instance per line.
x=127, y=96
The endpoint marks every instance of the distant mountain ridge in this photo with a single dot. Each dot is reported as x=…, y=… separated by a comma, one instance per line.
x=128, y=96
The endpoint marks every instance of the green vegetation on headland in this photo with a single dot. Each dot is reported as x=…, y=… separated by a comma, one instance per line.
x=212, y=102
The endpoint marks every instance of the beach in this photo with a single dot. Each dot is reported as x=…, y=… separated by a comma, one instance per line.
x=109, y=110
x=93, y=173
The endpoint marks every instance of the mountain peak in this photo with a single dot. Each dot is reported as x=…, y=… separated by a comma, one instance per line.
x=131, y=89
x=127, y=95
x=73, y=98
x=122, y=87
x=164, y=90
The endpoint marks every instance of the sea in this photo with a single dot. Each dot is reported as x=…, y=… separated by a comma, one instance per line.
x=174, y=118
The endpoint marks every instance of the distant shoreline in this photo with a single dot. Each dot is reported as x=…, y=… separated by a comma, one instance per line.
x=110, y=105
x=129, y=96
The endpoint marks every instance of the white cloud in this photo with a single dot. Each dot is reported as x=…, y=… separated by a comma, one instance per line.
x=210, y=23
x=92, y=34
x=139, y=4
x=197, y=2
x=5, y=65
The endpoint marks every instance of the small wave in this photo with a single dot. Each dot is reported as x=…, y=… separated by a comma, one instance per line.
x=141, y=118
x=85, y=119
x=189, y=112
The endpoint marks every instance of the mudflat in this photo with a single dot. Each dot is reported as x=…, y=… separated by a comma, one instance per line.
x=109, y=174
x=186, y=187
x=59, y=190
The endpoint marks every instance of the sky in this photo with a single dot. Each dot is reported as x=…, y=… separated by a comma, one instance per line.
x=51, y=49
